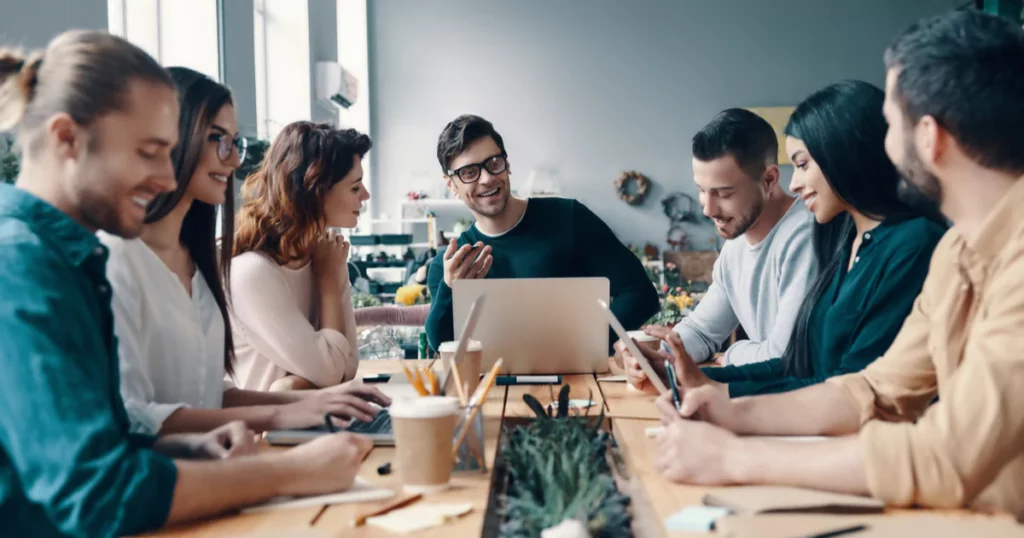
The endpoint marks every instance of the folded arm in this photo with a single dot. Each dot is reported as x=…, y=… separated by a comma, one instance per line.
x=284, y=335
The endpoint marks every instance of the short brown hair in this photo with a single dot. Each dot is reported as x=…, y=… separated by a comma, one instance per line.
x=83, y=73
x=282, y=212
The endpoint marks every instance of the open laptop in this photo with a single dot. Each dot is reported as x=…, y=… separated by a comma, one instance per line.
x=379, y=429
x=538, y=325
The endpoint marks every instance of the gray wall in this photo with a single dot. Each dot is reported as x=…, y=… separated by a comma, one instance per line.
x=239, y=62
x=323, y=47
x=595, y=87
x=32, y=23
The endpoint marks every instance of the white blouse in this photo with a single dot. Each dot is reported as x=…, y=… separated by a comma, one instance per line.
x=171, y=345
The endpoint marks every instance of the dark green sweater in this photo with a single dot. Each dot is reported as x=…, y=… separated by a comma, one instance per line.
x=557, y=238
x=858, y=315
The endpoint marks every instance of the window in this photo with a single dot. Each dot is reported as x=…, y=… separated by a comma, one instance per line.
x=283, y=81
x=175, y=32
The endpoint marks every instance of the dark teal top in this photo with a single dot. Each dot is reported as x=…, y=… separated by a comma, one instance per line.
x=556, y=238
x=858, y=315
x=68, y=466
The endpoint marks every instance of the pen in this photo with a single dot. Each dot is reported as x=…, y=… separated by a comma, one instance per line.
x=329, y=423
x=674, y=385
x=504, y=380
x=840, y=532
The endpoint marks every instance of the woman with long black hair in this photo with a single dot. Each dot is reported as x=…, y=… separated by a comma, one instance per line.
x=873, y=249
x=170, y=307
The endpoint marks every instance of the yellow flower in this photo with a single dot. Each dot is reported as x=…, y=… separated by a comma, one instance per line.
x=408, y=295
x=681, y=301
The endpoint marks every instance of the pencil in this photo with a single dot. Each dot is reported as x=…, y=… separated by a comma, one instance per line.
x=360, y=519
x=416, y=384
x=474, y=405
x=435, y=389
x=458, y=384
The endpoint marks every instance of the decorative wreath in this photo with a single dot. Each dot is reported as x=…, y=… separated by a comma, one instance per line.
x=680, y=207
x=632, y=181
x=677, y=237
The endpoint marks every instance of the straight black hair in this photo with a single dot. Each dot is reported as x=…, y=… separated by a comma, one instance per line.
x=844, y=131
x=200, y=98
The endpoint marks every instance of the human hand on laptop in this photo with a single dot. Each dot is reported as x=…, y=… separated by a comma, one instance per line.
x=466, y=262
x=352, y=400
x=227, y=441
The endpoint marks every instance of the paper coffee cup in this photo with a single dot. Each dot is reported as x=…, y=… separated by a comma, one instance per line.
x=424, y=432
x=469, y=366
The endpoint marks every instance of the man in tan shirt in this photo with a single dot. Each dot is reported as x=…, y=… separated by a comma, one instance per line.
x=956, y=114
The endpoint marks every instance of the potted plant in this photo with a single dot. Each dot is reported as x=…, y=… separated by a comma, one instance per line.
x=555, y=470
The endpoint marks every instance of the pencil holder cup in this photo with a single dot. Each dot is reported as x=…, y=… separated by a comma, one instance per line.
x=470, y=452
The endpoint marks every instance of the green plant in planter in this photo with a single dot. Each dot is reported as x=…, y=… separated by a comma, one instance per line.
x=558, y=470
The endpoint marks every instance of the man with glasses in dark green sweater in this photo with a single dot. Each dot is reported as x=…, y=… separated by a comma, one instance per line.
x=523, y=238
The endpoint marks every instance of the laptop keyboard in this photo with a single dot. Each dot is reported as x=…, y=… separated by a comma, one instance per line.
x=380, y=424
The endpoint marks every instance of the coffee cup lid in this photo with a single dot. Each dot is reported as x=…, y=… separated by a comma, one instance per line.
x=452, y=347
x=424, y=407
x=641, y=336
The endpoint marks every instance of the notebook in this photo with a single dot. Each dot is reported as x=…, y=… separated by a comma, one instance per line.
x=780, y=499
x=361, y=491
x=876, y=526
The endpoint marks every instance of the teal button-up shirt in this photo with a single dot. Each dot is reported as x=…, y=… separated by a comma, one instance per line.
x=68, y=466
x=858, y=315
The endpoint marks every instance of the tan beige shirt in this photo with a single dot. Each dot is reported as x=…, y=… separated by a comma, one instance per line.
x=964, y=342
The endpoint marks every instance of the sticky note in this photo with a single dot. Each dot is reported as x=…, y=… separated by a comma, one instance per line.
x=419, y=517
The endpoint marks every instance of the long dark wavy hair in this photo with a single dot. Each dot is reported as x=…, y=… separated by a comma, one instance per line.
x=282, y=213
x=200, y=99
x=844, y=131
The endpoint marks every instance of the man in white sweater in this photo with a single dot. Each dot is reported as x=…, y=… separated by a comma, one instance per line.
x=768, y=261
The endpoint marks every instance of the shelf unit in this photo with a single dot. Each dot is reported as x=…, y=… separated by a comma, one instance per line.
x=418, y=228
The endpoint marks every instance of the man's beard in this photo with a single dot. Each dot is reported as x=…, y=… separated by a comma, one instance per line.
x=100, y=211
x=492, y=211
x=918, y=188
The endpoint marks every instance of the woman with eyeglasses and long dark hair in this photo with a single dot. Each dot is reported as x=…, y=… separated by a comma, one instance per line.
x=171, y=310
x=873, y=249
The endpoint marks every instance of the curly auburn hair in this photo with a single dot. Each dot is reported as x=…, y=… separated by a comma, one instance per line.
x=282, y=213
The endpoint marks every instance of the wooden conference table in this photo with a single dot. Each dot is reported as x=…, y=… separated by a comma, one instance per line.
x=631, y=413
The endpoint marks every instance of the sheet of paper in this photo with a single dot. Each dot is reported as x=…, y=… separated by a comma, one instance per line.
x=419, y=516
x=695, y=518
x=361, y=491
x=618, y=378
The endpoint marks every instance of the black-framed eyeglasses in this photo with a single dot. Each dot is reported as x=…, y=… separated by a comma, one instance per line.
x=470, y=173
x=225, y=145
